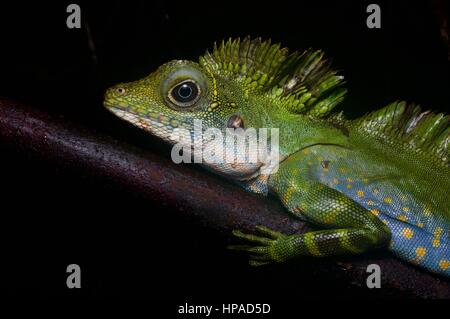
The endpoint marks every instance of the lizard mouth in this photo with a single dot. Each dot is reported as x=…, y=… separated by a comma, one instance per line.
x=108, y=104
x=148, y=124
x=113, y=104
x=141, y=122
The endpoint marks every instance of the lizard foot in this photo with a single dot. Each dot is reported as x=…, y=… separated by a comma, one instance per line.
x=264, y=249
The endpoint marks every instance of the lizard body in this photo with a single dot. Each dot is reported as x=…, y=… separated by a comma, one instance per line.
x=377, y=181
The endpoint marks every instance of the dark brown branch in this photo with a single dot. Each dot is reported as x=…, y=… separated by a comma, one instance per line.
x=191, y=192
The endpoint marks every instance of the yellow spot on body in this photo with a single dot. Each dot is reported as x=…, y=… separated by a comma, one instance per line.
x=427, y=211
x=360, y=194
x=419, y=224
x=436, y=242
x=376, y=191
x=349, y=179
x=306, y=151
x=349, y=186
x=335, y=181
x=405, y=209
x=214, y=105
x=376, y=212
x=388, y=200
x=444, y=264
x=343, y=170
x=366, y=180
x=370, y=202
x=407, y=233
x=403, y=218
x=438, y=232
x=421, y=251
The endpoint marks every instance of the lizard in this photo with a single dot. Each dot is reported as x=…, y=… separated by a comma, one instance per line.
x=378, y=181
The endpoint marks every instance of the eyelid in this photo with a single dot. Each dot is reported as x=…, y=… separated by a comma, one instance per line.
x=185, y=73
x=183, y=81
x=180, y=75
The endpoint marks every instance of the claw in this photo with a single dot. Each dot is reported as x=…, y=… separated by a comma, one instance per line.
x=258, y=246
x=250, y=249
x=252, y=238
x=268, y=232
x=261, y=257
x=257, y=263
x=239, y=247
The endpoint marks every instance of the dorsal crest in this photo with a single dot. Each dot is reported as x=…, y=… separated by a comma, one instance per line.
x=303, y=82
x=423, y=131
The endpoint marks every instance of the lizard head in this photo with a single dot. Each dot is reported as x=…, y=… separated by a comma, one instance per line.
x=248, y=84
x=171, y=98
x=174, y=100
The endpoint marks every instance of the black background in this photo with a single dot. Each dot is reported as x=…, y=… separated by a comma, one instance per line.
x=134, y=248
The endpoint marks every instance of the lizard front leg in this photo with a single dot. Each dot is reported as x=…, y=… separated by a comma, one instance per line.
x=352, y=228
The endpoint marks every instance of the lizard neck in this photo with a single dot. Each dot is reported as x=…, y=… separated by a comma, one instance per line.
x=297, y=132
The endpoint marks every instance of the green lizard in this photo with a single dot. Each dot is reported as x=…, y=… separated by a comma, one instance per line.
x=381, y=180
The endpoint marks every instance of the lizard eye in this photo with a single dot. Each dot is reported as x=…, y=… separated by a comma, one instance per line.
x=185, y=93
x=121, y=91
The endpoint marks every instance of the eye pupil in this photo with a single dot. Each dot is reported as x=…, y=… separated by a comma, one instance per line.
x=185, y=94
x=185, y=91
